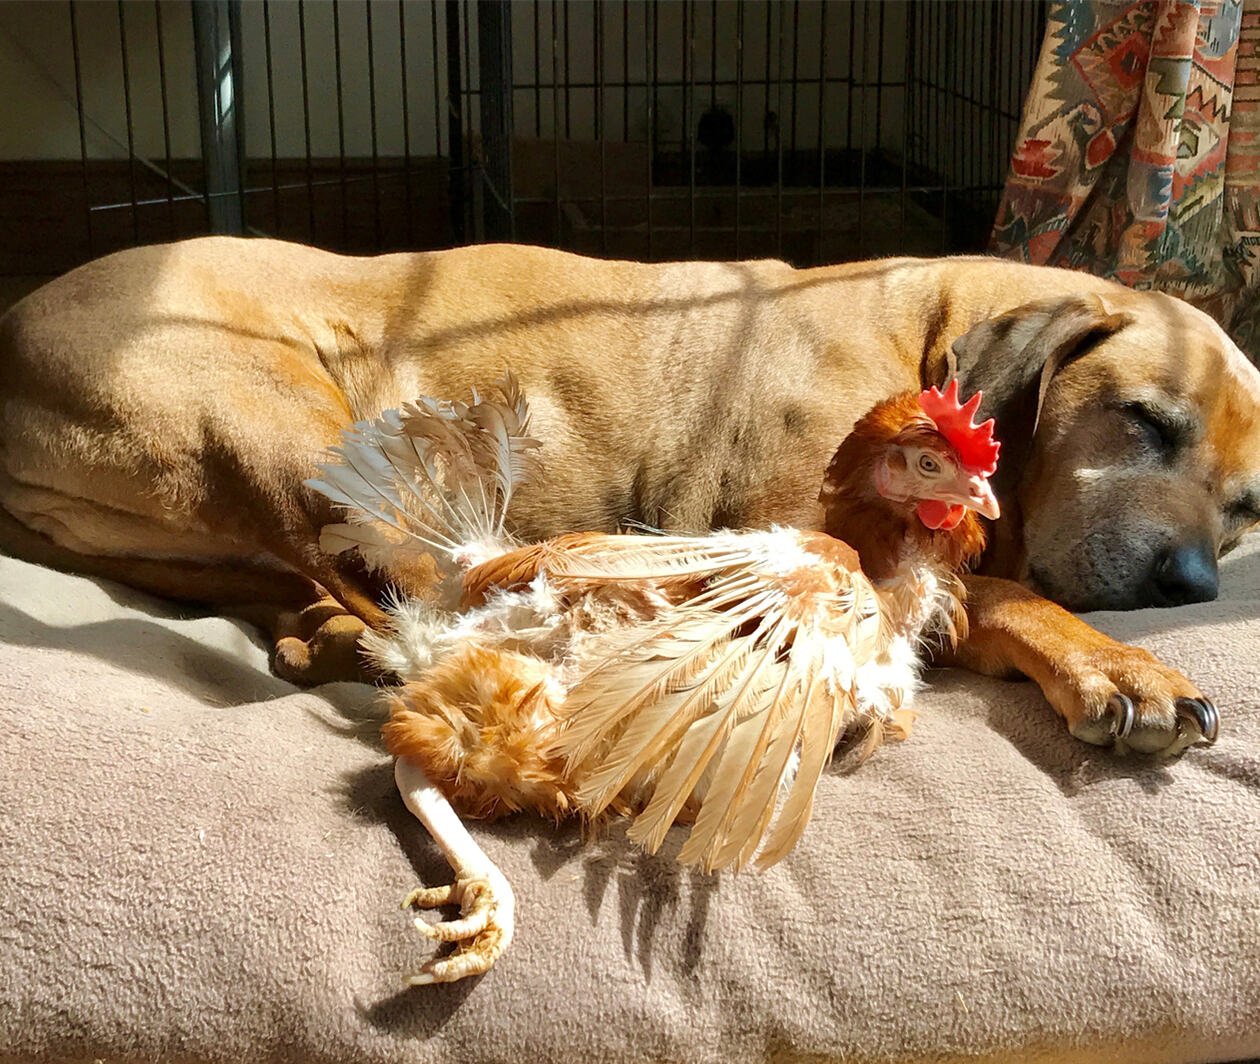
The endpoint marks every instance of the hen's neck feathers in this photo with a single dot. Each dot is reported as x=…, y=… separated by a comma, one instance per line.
x=884, y=532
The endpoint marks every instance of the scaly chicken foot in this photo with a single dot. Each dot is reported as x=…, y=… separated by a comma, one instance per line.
x=486, y=923
x=480, y=934
x=475, y=898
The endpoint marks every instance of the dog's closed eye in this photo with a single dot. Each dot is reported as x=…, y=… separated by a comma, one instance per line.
x=1244, y=511
x=1161, y=429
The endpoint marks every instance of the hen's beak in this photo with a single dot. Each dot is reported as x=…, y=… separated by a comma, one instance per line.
x=973, y=492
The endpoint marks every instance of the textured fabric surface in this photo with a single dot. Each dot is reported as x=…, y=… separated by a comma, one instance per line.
x=1138, y=155
x=199, y=863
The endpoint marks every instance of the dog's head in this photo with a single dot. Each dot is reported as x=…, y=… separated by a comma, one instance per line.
x=1130, y=427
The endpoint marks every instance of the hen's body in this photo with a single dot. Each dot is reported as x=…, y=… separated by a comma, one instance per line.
x=487, y=720
x=682, y=677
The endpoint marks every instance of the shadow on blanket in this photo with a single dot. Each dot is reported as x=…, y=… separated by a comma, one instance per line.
x=213, y=675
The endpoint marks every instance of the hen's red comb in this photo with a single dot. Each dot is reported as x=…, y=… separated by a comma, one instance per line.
x=976, y=447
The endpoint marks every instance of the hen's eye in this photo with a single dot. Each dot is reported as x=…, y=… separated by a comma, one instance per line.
x=929, y=465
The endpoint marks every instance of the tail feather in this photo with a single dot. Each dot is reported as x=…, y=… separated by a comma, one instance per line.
x=434, y=477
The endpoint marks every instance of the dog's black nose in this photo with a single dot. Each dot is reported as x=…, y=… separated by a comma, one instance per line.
x=1185, y=574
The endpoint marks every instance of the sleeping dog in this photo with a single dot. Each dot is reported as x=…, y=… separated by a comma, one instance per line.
x=161, y=408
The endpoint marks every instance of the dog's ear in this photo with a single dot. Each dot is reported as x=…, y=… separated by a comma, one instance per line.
x=1013, y=359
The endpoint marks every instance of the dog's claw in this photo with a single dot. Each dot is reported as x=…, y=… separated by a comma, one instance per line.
x=1123, y=714
x=1203, y=714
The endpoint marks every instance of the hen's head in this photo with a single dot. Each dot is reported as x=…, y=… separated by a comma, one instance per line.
x=914, y=470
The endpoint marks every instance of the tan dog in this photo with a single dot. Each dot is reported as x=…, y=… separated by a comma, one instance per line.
x=161, y=408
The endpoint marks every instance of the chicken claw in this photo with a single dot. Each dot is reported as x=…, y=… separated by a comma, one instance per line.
x=482, y=933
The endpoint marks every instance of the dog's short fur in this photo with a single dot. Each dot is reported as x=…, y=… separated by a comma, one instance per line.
x=160, y=409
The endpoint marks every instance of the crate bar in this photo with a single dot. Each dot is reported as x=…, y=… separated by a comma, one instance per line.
x=967, y=157
x=879, y=81
x=306, y=120
x=470, y=140
x=822, y=129
x=995, y=39
x=873, y=189
x=271, y=119
x=739, y=117
x=932, y=34
x=437, y=76
x=376, y=169
x=796, y=69
x=950, y=106
x=494, y=55
x=778, y=139
x=651, y=62
x=625, y=70
x=568, y=105
x=599, y=128
x=666, y=83
x=555, y=114
x=958, y=85
x=863, y=149
x=689, y=117
x=713, y=39
x=537, y=73
x=406, y=121
x=78, y=107
x=341, y=124
x=908, y=102
x=166, y=119
x=455, y=120
x=848, y=117
x=938, y=102
x=131, y=135
x=216, y=42
x=975, y=114
x=765, y=126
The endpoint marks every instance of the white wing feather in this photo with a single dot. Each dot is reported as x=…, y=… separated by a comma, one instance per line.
x=706, y=703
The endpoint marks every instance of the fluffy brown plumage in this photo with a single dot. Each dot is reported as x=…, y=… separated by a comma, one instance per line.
x=482, y=723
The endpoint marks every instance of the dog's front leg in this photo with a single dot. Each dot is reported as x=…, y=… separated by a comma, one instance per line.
x=1108, y=692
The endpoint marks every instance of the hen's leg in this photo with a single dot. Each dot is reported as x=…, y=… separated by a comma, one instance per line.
x=487, y=905
x=1108, y=692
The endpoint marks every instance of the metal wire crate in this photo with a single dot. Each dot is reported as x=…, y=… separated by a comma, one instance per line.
x=814, y=130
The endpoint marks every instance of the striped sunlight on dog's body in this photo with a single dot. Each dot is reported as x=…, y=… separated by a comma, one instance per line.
x=701, y=679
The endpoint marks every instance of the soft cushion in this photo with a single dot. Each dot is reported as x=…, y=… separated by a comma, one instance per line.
x=199, y=862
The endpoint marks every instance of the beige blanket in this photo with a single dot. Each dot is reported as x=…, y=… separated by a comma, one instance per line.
x=200, y=863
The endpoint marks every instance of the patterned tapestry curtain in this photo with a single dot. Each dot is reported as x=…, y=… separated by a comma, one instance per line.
x=1138, y=156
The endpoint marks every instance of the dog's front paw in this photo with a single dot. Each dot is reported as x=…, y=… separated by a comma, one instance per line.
x=1123, y=696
